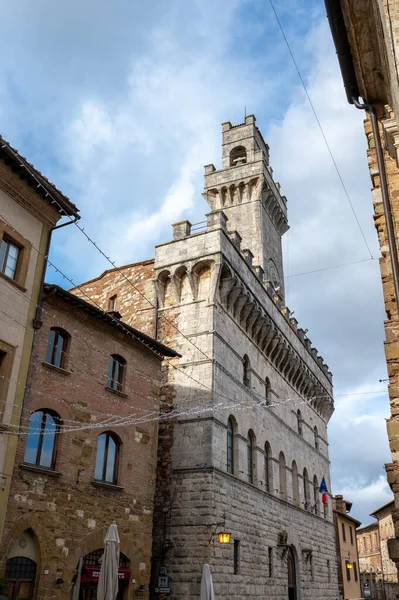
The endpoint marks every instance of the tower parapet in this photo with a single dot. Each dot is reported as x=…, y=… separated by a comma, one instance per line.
x=245, y=190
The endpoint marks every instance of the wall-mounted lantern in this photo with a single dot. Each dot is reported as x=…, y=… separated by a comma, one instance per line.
x=224, y=538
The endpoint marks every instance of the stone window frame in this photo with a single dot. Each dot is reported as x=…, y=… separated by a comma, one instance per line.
x=230, y=446
x=246, y=371
x=268, y=392
x=23, y=258
x=54, y=451
x=268, y=468
x=295, y=483
x=59, y=332
x=251, y=460
x=306, y=490
x=299, y=422
x=282, y=486
x=316, y=495
x=116, y=384
x=7, y=353
x=117, y=461
x=112, y=302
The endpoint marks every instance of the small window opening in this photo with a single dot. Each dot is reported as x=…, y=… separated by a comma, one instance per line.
x=112, y=303
x=236, y=557
x=270, y=556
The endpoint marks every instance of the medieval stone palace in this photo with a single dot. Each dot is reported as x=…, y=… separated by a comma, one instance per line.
x=243, y=432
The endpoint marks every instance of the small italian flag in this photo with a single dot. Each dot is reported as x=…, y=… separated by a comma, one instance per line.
x=323, y=491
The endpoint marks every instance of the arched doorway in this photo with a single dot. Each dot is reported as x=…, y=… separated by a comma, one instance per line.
x=292, y=595
x=91, y=566
x=21, y=567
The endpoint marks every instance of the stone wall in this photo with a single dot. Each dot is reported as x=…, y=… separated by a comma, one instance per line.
x=215, y=307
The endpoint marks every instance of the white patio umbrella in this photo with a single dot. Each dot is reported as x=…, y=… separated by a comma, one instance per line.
x=108, y=579
x=207, y=592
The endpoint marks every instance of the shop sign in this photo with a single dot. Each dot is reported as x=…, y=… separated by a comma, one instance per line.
x=90, y=573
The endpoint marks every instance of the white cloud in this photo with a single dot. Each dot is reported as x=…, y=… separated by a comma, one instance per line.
x=125, y=121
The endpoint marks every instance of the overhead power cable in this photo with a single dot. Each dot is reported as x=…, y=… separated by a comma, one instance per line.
x=355, y=262
x=320, y=126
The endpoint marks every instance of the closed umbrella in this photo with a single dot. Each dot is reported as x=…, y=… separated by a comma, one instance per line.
x=206, y=584
x=108, y=579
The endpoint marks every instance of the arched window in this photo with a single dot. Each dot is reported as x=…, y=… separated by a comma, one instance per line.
x=316, y=495
x=295, y=483
x=299, y=422
x=316, y=438
x=238, y=156
x=246, y=371
x=306, y=496
x=57, y=347
x=230, y=446
x=116, y=372
x=268, y=391
x=283, y=476
x=106, y=469
x=250, y=455
x=41, y=441
x=268, y=468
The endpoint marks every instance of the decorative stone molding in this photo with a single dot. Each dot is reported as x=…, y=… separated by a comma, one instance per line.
x=243, y=307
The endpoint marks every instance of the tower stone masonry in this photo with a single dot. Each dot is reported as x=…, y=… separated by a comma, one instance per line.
x=246, y=446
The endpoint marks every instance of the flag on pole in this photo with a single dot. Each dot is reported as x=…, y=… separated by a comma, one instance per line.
x=323, y=490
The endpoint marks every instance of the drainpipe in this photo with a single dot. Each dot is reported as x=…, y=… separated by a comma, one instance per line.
x=37, y=323
x=385, y=195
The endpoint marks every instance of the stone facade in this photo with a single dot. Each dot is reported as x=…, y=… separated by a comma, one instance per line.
x=27, y=216
x=251, y=397
x=386, y=532
x=366, y=37
x=368, y=544
x=59, y=511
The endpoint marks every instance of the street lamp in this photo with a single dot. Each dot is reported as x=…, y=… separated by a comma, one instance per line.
x=224, y=538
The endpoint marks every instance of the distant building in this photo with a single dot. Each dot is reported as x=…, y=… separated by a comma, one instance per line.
x=386, y=532
x=86, y=454
x=366, y=37
x=368, y=544
x=378, y=571
x=348, y=560
x=248, y=448
x=30, y=207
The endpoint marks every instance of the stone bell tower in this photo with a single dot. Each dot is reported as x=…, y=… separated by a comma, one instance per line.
x=245, y=190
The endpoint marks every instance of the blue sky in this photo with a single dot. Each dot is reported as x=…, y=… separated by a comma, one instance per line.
x=121, y=106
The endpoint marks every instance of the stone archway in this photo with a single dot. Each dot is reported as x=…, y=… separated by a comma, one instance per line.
x=292, y=578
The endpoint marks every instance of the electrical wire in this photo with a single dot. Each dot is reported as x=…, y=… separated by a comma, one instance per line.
x=320, y=126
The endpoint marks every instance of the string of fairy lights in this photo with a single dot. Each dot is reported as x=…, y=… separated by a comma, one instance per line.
x=132, y=419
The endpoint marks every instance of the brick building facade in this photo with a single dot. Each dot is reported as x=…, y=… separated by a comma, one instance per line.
x=86, y=454
x=248, y=447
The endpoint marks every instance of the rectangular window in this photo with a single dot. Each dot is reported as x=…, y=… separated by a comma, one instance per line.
x=9, y=253
x=270, y=562
x=351, y=534
x=348, y=571
x=112, y=303
x=355, y=571
x=236, y=557
x=343, y=532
